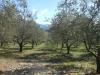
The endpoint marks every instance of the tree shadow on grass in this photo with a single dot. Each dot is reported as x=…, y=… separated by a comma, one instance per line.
x=35, y=56
x=49, y=55
x=27, y=48
x=86, y=57
x=8, y=53
x=49, y=50
x=60, y=58
x=12, y=52
x=64, y=57
x=45, y=55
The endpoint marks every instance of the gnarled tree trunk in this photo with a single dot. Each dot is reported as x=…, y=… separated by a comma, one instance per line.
x=68, y=49
x=98, y=61
x=86, y=46
x=32, y=44
x=98, y=64
x=21, y=46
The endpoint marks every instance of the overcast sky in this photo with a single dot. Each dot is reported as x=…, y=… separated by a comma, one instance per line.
x=45, y=9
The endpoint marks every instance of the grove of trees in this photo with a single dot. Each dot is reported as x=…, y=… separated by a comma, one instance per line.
x=78, y=21
x=17, y=24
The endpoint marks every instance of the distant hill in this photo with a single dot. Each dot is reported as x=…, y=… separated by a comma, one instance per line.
x=44, y=27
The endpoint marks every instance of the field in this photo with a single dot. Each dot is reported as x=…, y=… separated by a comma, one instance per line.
x=45, y=60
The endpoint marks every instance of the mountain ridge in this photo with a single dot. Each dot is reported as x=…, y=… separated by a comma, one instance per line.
x=44, y=26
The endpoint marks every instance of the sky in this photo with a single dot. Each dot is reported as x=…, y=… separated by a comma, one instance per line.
x=45, y=9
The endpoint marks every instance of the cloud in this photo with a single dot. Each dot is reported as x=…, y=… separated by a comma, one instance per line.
x=34, y=11
x=44, y=12
x=42, y=16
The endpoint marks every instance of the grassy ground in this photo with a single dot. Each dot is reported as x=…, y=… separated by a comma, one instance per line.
x=77, y=62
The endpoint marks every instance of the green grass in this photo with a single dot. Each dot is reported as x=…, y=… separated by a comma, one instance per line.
x=78, y=60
